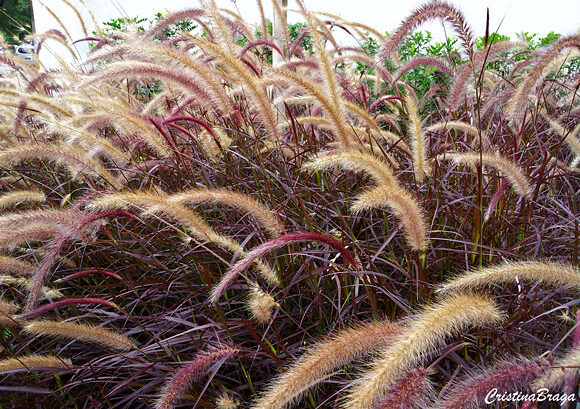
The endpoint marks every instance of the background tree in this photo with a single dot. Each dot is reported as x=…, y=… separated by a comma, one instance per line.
x=15, y=19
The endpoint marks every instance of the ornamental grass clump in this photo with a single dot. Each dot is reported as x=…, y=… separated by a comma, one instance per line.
x=204, y=211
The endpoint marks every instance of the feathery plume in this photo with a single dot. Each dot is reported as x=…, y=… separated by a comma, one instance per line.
x=173, y=18
x=37, y=231
x=261, y=304
x=23, y=196
x=424, y=333
x=41, y=38
x=517, y=104
x=257, y=93
x=323, y=358
x=467, y=70
x=35, y=362
x=200, y=76
x=88, y=333
x=554, y=274
x=112, y=112
x=388, y=192
x=78, y=15
x=50, y=104
x=571, y=137
x=427, y=60
x=226, y=402
x=58, y=20
x=265, y=31
x=514, y=375
x=151, y=203
x=361, y=29
x=147, y=70
x=214, y=145
x=333, y=112
x=73, y=158
x=514, y=174
x=429, y=11
x=272, y=245
x=62, y=217
x=404, y=206
x=190, y=373
x=358, y=162
x=29, y=284
x=458, y=125
x=411, y=391
x=11, y=265
x=563, y=368
x=7, y=310
x=418, y=143
x=236, y=200
x=331, y=87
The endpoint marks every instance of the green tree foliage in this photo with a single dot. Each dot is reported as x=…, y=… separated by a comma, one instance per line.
x=15, y=19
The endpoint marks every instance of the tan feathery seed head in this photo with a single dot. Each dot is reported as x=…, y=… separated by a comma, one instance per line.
x=16, y=220
x=11, y=265
x=53, y=105
x=178, y=77
x=236, y=200
x=565, y=367
x=462, y=127
x=34, y=362
x=76, y=160
x=361, y=29
x=323, y=358
x=335, y=113
x=457, y=125
x=571, y=136
x=89, y=141
x=13, y=199
x=418, y=143
x=226, y=402
x=422, y=334
x=7, y=310
x=111, y=111
x=29, y=283
x=253, y=86
x=404, y=206
x=33, y=232
x=367, y=145
x=43, y=37
x=214, y=147
x=261, y=305
x=388, y=192
x=517, y=104
x=531, y=271
x=514, y=174
x=203, y=73
x=330, y=87
x=150, y=203
x=57, y=18
x=358, y=162
x=88, y=333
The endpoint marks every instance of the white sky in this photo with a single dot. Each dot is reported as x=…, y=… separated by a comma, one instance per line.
x=534, y=16
x=538, y=16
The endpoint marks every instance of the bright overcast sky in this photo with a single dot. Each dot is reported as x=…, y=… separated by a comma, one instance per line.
x=537, y=16
x=534, y=16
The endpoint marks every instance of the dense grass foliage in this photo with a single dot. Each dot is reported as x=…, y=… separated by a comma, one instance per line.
x=189, y=222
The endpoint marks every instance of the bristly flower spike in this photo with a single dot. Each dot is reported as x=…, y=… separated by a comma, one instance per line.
x=190, y=373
